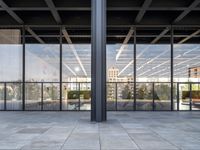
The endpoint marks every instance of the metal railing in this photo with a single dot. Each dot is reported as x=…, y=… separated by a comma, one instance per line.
x=120, y=96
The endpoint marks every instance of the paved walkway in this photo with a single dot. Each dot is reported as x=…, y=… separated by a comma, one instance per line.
x=123, y=130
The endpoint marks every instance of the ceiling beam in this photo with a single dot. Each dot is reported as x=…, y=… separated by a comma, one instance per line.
x=189, y=36
x=125, y=42
x=53, y=10
x=35, y=35
x=139, y=17
x=11, y=12
x=179, y=18
x=142, y=11
x=187, y=11
x=126, y=8
x=160, y=36
x=69, y=41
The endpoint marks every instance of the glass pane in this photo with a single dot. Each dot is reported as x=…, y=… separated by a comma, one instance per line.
x=76, y=69
x=144, y=96
x=1, y=96
x=162, y=96
x=195, y=93
x=184, y=97
x=186, y=54
x=125, y=96
x=42, y=62
x=153, y=55
x=33, y=96
x=10, y=55
x=85, y=96
x=51, y=96
x=14, y=96
x=111, y=96
x=70, y=96
x=119, y=65
x=76, y=62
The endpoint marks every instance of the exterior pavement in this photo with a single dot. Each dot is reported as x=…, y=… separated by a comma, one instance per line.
x=122, y=131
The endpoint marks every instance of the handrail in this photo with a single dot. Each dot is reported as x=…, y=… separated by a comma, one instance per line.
x=80, y=96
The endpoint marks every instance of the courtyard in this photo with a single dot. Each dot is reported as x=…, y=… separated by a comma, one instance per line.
x=123, y=130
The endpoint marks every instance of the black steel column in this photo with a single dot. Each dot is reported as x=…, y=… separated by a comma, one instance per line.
x=42, y=96
x=172, y=68
x=116, y=94
x=190, y=88
x=5, y=96
x=23, y=68
x=98, y=104
x=153, y=89
x=134, y=67
x=177, y=96
x=60, y=40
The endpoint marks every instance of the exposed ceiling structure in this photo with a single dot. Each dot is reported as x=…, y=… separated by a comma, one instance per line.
x=153, y=18
x=121, y=16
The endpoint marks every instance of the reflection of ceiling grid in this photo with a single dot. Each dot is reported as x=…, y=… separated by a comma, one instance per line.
x=120, y=30
x=139, y=17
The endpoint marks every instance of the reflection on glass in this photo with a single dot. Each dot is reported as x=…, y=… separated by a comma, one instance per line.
x=119, y=59
x=111, y=96
x=162, y=96
x=76, y=70
x=195, y=97
x=33, y=96
x=119, y=62
x=10, y=55
x=70, y=96
x=76, y=65
x=186, y=62
x=1, y=96
x=85, y=96
x=187, y=65
x=51, y=96
x=184, y=97
x=42, y=62
x=144, y=96
x=125, y=96
x=153, y=62
x=14, y=96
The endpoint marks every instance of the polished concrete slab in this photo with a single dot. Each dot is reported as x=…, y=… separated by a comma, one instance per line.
x=123, y=131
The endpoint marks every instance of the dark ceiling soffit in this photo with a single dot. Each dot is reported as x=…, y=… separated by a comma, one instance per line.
x=11, y=12
x=53, y=10
x=142, y=11
x=187, y=11
x=178, y=19
x=108, y=9
x=109, y=26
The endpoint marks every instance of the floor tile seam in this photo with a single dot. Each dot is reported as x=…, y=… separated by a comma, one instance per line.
x=76, y=124
x=139, y=148
x=99, y=135
x=166, y=140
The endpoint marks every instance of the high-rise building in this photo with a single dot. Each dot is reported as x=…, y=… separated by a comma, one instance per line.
x=194, y=72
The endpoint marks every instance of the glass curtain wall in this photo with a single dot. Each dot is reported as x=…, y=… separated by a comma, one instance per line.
x=76, y=70
x=187, y=67
x=76, y=74
x=55, y=53
x=120, y=72
x=42, y=68
x=11, y=49
x=153, y=73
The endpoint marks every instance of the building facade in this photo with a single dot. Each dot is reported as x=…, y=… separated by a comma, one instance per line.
x=99, y=55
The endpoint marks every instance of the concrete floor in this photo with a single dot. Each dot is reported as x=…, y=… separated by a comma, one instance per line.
x=123, y=130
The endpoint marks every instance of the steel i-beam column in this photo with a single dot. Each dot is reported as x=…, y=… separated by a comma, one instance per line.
x=98, y=104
